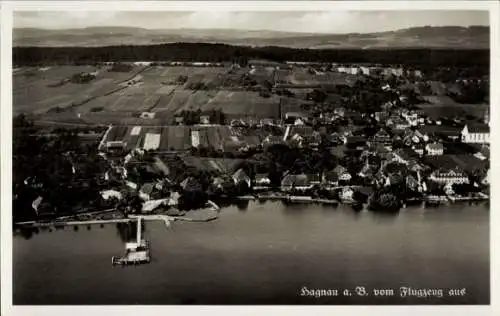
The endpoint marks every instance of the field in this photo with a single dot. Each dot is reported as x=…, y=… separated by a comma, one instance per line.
x=112, y=98
x=38, y=90
x=449, y=108
x=243, y=103
x=219, y=165
x=171, y=137
x=302, y=77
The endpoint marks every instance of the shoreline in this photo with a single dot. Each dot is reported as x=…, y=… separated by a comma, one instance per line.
x=167, y=219
x=213, y=207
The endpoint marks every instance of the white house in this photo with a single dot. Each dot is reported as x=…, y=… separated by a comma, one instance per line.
x=131, y=185
x=115, y=145
x=434, y=149
x=476, y=134
x=173, y=199
x=412, y=117
x=342, y=173
x=108, y=194
x=299, y=122
x=262, y=181
x=148, y=115
x=449, y=176
x=205, y=119
x=149, y=206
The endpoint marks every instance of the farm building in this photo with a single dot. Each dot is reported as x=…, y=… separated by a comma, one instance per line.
x=113, y=145
x=136, y=130
x=148, y=115
x=195, y=138
x=143, y=63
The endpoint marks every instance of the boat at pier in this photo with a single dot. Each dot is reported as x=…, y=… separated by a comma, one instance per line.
x=135, y=252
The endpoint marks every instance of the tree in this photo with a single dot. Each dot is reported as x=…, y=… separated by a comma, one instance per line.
x=242, y=188
x=318, y=96
x=464, y=189
x=385, y=202
x=193, y=198
x=360, y=197
x=275, y=175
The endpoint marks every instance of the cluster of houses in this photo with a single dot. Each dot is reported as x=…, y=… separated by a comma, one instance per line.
x=421, y=159
x=377, y=70
x=407, y=147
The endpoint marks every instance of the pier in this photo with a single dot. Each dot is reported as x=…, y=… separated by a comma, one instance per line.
x=76, y=223
x=297, y=199
x=135, y=252
x=167, y=219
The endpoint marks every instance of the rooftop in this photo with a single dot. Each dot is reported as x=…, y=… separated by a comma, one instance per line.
x=478, y=128
x=296, y=180
x=435, y=146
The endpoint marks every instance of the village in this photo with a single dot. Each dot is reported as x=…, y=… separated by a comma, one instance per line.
x=376, y=140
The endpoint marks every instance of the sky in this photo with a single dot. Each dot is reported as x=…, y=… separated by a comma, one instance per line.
x=295, y=21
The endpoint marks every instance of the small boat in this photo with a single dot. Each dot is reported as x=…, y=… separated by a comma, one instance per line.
x=135, y=252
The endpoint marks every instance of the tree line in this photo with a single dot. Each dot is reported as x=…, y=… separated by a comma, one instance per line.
x=426, y=58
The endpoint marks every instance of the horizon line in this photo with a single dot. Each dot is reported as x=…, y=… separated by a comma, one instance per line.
x=249, y=30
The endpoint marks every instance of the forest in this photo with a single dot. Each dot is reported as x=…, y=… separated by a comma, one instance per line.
x=204, y=52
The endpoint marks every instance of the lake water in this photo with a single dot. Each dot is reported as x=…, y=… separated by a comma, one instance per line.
x=266, y=253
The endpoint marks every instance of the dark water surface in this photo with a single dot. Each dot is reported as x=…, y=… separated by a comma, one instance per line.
x=265, y=254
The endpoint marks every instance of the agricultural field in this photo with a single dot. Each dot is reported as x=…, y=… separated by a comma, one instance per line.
x=40, y=90
x=244, y=103
x=170, y=138
x=440, y=100
x=293, y=105
x=435, y=111
x=303, y=77
x=170, y=75
x=438, y=88
x=121, y=103
x=120, y=97
x=172, y=102
x=232, y=103
x=219, y=165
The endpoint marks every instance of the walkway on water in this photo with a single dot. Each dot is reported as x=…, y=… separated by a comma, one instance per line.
x=297, y=198
x=167, y=219
x=131, y=218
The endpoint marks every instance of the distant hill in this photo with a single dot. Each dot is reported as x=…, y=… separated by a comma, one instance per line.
x=474, y=37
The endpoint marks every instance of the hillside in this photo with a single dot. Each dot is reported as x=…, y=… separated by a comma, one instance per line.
x=450, y=37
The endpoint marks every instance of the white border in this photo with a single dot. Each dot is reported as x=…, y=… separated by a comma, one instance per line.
x=7, y=7
x=249, y=5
